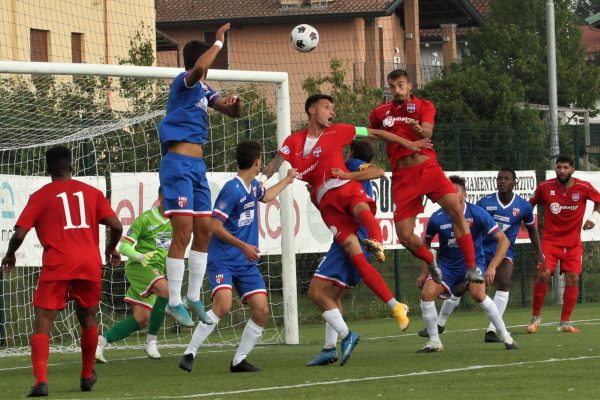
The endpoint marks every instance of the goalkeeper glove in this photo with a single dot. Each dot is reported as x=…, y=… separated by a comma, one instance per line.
x=145, y=259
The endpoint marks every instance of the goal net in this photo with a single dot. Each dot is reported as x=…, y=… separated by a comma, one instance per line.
x=108, y=116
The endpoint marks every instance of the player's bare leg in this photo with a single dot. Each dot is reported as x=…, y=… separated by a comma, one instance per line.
x=569, y=300
x=363, y=214
x=477, y=292
x=540, y=287
x=430, y=291
x=405, y=229
x=182, y=234
x=502, y=282
x=197, y=261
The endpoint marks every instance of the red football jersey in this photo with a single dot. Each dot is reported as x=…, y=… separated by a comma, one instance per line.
x=394, y=118
x=327, y=153
x=564, y=209
x=66, y=217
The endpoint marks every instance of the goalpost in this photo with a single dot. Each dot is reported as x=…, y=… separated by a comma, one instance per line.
x=108, y=115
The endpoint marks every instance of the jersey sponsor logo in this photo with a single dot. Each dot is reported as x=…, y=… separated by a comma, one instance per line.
x=182, y=201
x=246, y=218
x=307, y=170
x=249, y=205
x=317, y=151
x=491, y=208
x=556, y=208
x=243, y=199
x=552, y=193
x=389, y=121
x=445, y=226
x=285, y=150
x=219, y=278
x=502, y=218
x=153, y=227
x=575, y=197
x=411, y=107
x=516, y=212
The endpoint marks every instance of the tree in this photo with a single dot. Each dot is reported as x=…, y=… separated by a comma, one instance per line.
x=585, y=8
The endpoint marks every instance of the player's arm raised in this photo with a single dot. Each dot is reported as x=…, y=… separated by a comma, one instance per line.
x=390, y=137
x=250, y=251
x=16, y=240
x=232, y=105
x=271, y=167
x=204, y=62
x=503, y=245
x=366, y=172
x=116, y=230
x=274, y=190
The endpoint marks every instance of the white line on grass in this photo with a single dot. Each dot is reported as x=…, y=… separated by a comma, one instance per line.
x=371, y=378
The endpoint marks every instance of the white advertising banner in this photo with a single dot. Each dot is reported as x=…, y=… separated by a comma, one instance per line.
x=14, y=193
x=592, y=177
x=133, y=193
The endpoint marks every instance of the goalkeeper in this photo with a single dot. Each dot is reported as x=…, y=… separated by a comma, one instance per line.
x=146, y=245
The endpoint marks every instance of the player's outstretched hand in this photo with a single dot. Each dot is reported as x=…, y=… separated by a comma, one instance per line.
x=220, y=35
x=588, y=225
x=8, y=263
x=232, y=98
x=251, y=252
x=420, y=144
x=145, y=259
x=113, y=257
x=339, y=173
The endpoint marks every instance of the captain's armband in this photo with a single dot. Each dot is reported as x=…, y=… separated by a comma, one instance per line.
x=361, y=131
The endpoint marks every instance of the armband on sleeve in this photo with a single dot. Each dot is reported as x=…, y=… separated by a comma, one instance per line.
x=361, y=131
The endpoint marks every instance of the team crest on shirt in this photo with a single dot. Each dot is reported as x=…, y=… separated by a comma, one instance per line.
x=552, y=193
x=317, y=151
x=219, y=278
x=254, y=191
x=411, y=107
x=575, y=197
x=182, y=201
x=285, y=150
x=516, y=212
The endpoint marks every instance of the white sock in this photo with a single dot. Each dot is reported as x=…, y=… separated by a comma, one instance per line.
x=197, y=267
x=501, y=301
x=175, y=271
x=151, y=338
x=330, y=337
x=392, y=303
x=334, y=318
x=201, y=332
x=250, y=337
x=430, y=318
x=102, y=342
x=490, y=309
x=447, y=307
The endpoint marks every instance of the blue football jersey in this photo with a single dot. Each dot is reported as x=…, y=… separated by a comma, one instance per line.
x=449, y=254
x=354, y=165
x=237, y=207
x=186, y=119
x=508, y=218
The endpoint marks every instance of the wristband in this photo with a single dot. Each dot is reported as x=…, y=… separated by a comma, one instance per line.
x=595, y=217
x=361, y=131
x=218, y=43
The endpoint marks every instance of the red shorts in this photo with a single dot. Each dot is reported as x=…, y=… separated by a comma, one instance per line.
x=410, y=184
x=336, y=209
x=569, y=257
x=53, y=295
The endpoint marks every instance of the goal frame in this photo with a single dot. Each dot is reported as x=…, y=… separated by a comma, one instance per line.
x=283, y=122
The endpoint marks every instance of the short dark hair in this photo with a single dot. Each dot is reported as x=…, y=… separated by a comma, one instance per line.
x=398, y=73
x=58, y=159
x=565, y=159
x=458, y=180
x=192, y=51
x=315, y=98
x=362, y=150
x=512, y=172
x=247, y=152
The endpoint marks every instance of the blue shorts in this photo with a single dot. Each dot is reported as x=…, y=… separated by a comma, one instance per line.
x=247, y=279
x=452, y=277
x=184, y=185
x=336, y=267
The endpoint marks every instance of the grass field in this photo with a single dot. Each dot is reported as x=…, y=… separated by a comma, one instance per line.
x=384, y=365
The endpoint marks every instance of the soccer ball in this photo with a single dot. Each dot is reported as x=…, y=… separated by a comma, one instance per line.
x=304, y=38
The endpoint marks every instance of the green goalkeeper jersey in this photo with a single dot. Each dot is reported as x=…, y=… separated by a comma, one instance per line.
x=150, y=232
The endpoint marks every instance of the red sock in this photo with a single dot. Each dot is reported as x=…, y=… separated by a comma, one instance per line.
x=539, y=293
x=89, y=341
x=367, y=219
x=424, y=254
x=569, y=300
x=40, y=351
x=465, y=242
x=372, y=277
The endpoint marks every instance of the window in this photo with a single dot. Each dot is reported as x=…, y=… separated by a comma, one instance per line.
x=76, y=47
x=222, y=60
x=39, y=45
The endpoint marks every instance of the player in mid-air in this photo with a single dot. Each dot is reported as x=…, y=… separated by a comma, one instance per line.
x=416, y=173
x=343, y=204
x=508, y=210
x=233, y=256
x=183, y=132
x=145, y=244
x=66, y=215
x=335, y=273
x=564, y=199
x=453, y=268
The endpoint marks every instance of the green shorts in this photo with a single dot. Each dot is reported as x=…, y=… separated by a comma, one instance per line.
x=140, y=280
